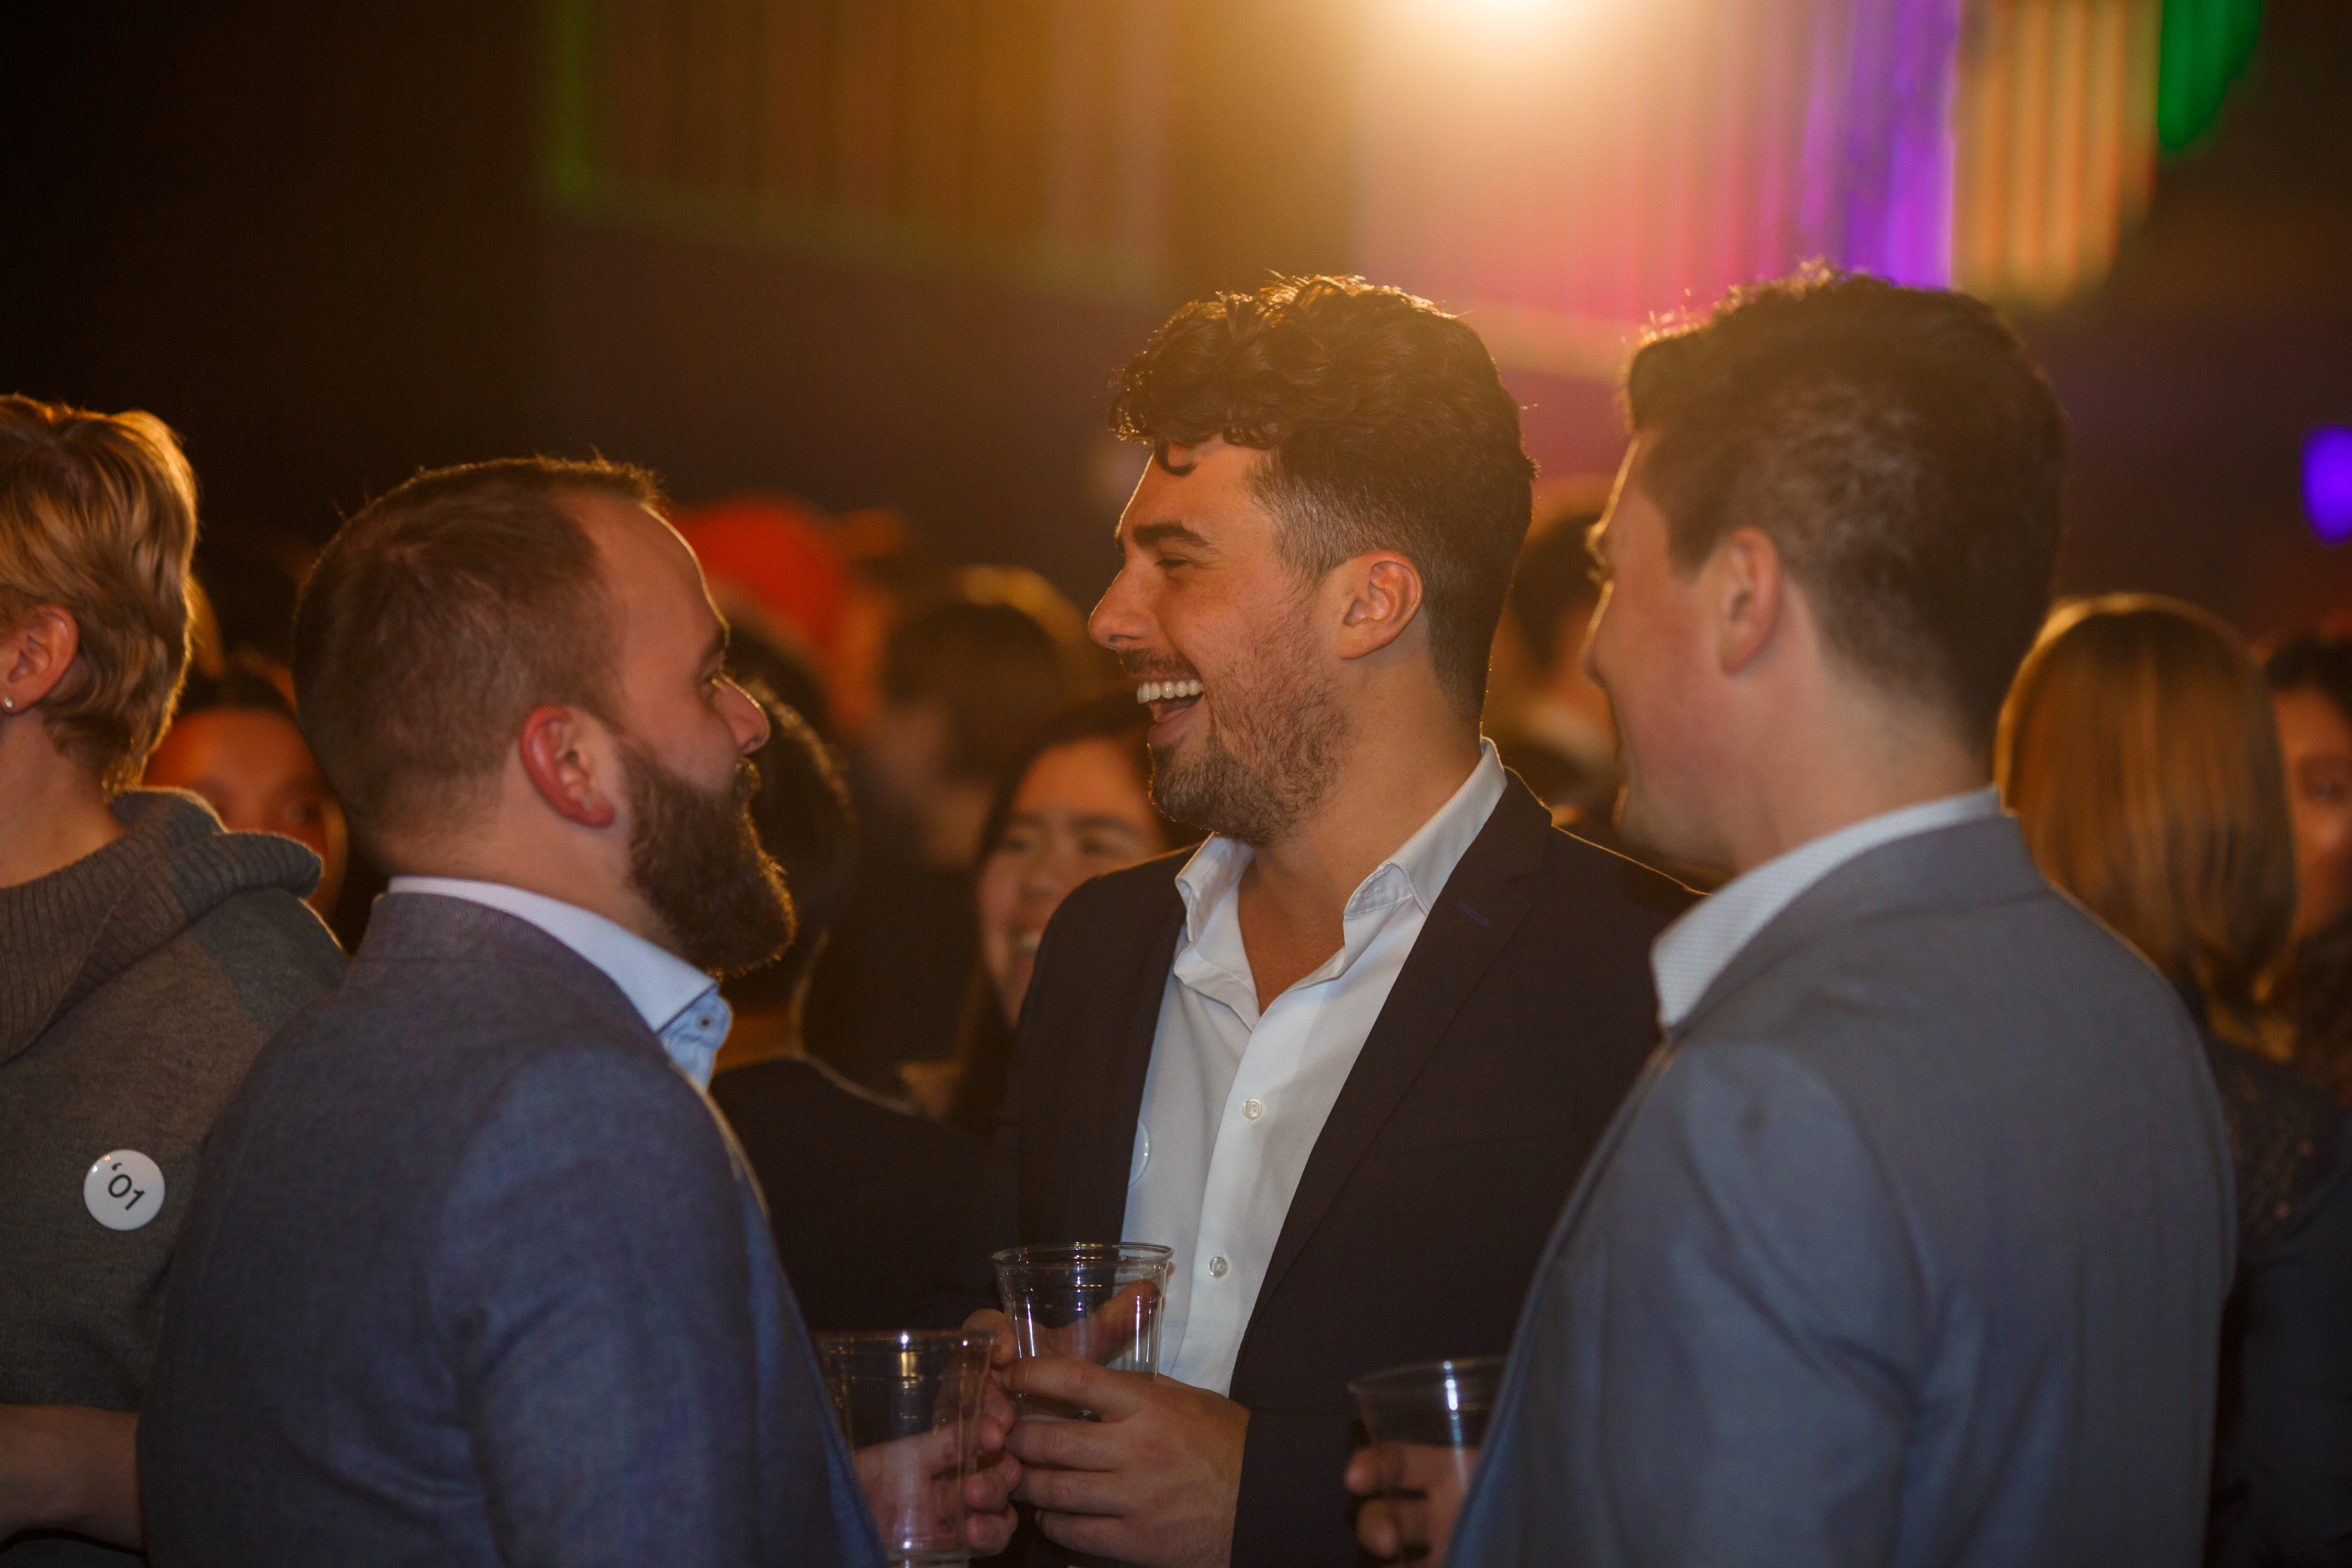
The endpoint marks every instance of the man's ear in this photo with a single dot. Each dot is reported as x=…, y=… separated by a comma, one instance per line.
x=1749, y=592
x=1382, y=597
x=562, y=762
x=36, y=653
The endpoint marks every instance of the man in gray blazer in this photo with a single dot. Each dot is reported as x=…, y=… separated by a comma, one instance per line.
x=474, y=1274
x=1910, y=1245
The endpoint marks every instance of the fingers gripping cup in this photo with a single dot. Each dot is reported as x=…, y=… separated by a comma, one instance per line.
x=1428, y=1422
x=1097, y=1301
x=909, y=1403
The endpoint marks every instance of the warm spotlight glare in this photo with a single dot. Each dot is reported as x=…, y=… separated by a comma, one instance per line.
x=1500, y=10
x=1498, y=18
x=1498, y=42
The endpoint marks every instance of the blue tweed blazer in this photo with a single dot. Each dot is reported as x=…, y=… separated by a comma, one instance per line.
x=1909, y=1249
x=473, y=1276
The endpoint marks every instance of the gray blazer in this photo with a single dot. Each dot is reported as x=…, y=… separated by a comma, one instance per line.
x=473, y=1276
x=1909, y=1248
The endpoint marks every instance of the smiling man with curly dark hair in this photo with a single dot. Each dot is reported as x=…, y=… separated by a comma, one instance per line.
x=1385, y=994
x=1384, y=425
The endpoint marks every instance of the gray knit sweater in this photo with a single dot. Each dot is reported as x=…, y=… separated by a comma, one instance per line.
x=136, y=986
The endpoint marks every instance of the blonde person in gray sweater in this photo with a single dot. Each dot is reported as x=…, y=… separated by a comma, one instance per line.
x=145, y=955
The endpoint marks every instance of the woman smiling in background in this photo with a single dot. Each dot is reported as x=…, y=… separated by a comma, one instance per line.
x=1075, y=805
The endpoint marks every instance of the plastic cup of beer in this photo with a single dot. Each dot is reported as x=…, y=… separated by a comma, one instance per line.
x=1429, y=1420
x=910, y=1405
x=1090, y=1301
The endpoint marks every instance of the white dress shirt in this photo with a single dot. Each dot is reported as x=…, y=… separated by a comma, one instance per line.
x=1234, y=1100
x=680, y=1003
x=1690, y=954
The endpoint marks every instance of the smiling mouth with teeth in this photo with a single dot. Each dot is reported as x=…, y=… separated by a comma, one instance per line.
x=1154, y=691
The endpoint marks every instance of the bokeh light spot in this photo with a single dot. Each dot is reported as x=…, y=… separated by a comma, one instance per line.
x=2327, y=482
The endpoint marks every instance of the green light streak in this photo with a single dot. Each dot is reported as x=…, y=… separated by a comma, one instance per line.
x=2206, y=44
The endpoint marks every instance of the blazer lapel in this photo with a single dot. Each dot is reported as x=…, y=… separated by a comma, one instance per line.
x=1482, y=905
x=1103, y=1095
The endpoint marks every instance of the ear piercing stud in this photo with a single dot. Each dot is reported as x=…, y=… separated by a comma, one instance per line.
x=7, y=705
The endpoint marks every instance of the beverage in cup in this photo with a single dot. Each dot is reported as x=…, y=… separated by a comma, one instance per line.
x=909, y=1404
x=1428, y=1421
x=1097, y=1301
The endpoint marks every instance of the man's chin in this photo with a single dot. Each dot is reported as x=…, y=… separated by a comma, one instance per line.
x=726, y=960
x=1638, y=825
x=1654, y=833
x=768, y=930
x=1170, y=781
x=725, y=927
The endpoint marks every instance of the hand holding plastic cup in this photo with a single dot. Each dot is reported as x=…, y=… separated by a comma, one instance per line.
x=1426, y=1424
x=909, y=1403
x=1097, y=1301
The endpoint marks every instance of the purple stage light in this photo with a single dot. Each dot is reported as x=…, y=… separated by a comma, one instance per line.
x=2327, y=482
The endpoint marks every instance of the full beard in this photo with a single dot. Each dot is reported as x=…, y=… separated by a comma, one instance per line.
x=1269, y=758
x=695, y=858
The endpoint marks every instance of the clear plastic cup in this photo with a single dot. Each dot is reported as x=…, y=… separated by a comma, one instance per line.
x=1429, y=1420
x=910, y=1405
x=1090, y=1301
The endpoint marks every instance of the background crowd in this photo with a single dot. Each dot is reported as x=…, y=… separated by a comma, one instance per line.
x=944, y=756
x=984, y=758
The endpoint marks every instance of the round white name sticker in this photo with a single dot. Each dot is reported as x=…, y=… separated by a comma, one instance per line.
x=124, y=1190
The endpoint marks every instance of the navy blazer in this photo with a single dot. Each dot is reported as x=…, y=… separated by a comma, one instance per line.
x=1518, y=1020
x=1909, y=1249
x=473, y=1276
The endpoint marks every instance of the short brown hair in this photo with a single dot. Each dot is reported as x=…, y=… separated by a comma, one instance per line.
x=1900, y=451
x=2140, y=754
x=97, y=516
x=1387, y=427
x=437, y=619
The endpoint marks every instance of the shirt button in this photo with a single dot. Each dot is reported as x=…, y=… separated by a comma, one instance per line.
x=1217, y=1267
x=1252, y=1109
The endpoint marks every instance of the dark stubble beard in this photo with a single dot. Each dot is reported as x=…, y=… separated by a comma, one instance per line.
x=695, y=857
x=1268, y=756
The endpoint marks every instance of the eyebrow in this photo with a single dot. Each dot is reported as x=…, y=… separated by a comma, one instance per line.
x=1150, y=535
x=716, y=652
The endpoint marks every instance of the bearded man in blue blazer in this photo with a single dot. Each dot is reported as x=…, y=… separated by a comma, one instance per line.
x=1911, y=1244
x=474, y=1273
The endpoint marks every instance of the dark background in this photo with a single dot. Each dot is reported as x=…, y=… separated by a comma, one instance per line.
x=311, y=238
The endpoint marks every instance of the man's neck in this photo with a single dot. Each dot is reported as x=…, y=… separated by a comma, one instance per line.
x=1800, y=796
x=56, y=813
x=556, y=872
x=1294, y=895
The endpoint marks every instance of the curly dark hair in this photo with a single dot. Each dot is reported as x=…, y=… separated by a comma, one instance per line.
x=1387, y=429
x=1899, y=449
